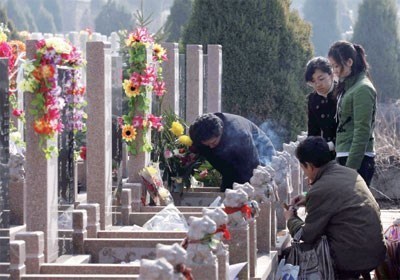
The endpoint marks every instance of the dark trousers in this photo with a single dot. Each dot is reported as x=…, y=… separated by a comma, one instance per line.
x=366, y=170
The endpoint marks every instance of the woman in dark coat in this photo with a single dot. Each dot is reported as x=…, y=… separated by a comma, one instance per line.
x=322, y=101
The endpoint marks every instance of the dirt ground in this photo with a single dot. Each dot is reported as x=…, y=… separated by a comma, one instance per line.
x=385, y=186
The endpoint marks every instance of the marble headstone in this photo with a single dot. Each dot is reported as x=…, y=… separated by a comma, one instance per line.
x=4, y=169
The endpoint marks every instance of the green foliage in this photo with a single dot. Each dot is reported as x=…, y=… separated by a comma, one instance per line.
x=265, y=48
x=323, y=18
x=377, y=31
x=178, y=18
x=112, y=18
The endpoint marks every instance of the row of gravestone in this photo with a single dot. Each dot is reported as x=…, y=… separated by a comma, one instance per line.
x=171, y=100
x=197, y=84
x=41, y=177
x=102, y=65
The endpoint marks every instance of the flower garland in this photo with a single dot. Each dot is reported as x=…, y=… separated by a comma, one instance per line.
x=41, y=80
x=144, y=78
x=5, y=48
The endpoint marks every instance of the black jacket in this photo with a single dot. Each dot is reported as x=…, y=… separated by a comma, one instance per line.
x=239, y=151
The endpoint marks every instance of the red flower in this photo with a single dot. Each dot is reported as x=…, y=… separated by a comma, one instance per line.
x=17, y=113
x=82, y=153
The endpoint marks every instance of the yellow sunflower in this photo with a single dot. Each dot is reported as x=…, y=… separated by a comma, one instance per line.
x=177, y=128
x=185, y=140
x=130, y=89
x=128, y=133
x=158, y=50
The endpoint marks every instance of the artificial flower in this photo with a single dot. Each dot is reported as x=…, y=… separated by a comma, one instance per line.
x=44, y=72
x=82, y=153
x=158, y=52
x=17, y=113
x=159, y=88
x=3, y=37
x=128, y=133
x=130, y=88
x=177, y=128
x=168, y=154
x=149, y=76
x=59, y=45
x=155, y=122
x=43, y=126
x=138, y=121
x=140, y=35
x=185, y=140
x=203, y=174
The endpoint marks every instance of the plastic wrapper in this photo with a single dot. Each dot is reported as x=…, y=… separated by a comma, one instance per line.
x=153, y=183
x=168, y=219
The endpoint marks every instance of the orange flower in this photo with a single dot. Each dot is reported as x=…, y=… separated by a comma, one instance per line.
x=44, y=72
x=42, y=126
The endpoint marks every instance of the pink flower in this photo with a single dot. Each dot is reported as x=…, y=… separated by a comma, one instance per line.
x=203, y=174
x=17, y=113
x=120, y=122
x=136, y=79
x=137, y=121
x=159, y=88
x=149, y=76
x=142, y=35
x=168, y=154
x=155, y=122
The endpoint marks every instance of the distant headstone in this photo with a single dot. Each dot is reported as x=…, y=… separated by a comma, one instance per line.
x=4, y=158
x=194, y=82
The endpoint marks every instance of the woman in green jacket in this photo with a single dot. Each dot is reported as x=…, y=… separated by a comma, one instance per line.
x=356, y=108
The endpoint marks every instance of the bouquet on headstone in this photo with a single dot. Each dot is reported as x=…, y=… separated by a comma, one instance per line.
x=153, y=183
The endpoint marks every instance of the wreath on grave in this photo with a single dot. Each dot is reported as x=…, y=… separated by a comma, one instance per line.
x=48, y=101
x=144, y=78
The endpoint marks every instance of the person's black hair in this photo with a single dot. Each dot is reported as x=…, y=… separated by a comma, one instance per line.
x=341, y=51
x=314, y=150
x=205, y=127
x=317, y=63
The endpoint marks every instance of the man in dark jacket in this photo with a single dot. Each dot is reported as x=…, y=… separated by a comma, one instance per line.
x=232, y=144
x=340, y=206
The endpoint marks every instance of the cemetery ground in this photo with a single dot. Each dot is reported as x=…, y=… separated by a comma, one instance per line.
x=98, y=241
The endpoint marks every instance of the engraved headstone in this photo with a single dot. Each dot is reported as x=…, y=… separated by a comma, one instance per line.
x=4, y=169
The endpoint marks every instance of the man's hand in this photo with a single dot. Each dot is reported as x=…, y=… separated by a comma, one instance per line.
x=289, y=213
x=299, y=200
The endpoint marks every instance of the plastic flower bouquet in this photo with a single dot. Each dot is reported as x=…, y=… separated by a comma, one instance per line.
x=175, y=155
x=154, y=185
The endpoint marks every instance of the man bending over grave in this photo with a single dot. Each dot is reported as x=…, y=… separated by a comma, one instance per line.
x=232, y=144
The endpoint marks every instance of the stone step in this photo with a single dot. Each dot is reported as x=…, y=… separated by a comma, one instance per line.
x=4, y=267
x=16, y=229
x=90, y=269
x=78, y=277
x=266, y=266
x=73, y=259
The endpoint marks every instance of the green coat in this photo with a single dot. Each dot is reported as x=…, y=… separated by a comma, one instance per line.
x=356, y=117
x=340, y=206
